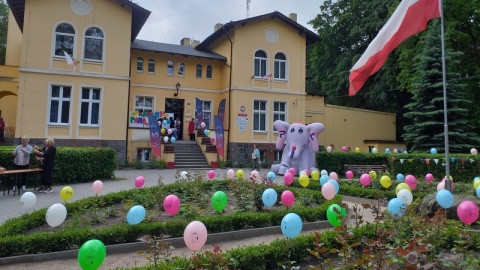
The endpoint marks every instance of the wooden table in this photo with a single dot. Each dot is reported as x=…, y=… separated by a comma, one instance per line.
x=15, y=173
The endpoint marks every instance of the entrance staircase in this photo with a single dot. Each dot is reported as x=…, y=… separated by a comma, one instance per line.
x=188, y=155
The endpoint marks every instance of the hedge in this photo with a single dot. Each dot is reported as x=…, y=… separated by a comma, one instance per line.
x=73, y=164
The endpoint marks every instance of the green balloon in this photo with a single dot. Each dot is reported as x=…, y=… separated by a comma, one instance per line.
x=219, y=200
x=335, y=213
x=91, y=254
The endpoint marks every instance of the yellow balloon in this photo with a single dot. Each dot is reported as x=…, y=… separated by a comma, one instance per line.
x=373, y=175
x=66, y=193
x=476, y=184
x=357, y=150
x=240, y=174
x=162, y=131
x=304, y=180
x=315, y=175
x=402, y=186
x=385, y=181
x=451, y=178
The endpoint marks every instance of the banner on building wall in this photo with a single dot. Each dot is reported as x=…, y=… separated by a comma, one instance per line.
x=139, y=119
x=154, y=135
x=198, y=110
x=221, y=109
x=219, y=136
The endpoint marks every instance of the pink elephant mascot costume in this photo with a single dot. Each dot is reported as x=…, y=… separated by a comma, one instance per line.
x=300, y=148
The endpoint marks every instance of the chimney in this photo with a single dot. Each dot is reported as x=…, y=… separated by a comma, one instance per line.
x=185, y=42
x=293, y=16
x=195, y=43
x=217, y=26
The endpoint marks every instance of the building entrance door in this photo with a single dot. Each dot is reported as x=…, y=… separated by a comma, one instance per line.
x=176, y=106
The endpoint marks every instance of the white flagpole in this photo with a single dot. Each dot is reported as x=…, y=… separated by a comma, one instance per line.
x=448, y=183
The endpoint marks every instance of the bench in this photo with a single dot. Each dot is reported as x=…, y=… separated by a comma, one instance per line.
x=360, y=169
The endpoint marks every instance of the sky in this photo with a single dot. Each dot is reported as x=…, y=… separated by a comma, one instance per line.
x=172, y=20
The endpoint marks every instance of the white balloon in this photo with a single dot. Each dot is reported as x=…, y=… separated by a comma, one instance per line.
x=405, y=195
x=303, y=172
x=165, y=139
x=374, y=150
x=323, y=172
x=56, y=214
x=28, y=200
x=183, y=175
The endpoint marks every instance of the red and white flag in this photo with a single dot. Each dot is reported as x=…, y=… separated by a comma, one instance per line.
x=69, y=59
x=410, y=18
x=267, y=76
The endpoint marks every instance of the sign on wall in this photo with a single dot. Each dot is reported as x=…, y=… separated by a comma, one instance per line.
x=139, y=119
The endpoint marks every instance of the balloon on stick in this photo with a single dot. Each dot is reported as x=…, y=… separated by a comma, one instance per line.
x=56, y=214
x=171, y=204
x=287, y=197
x=139, y=182
x=467, y=212
x=335, y=214
x=288, y=178
x=219, y=200
x=136, y=214
x=291, y=225
x=195, y=235
x=97, y=186
x=28, y=200
x=269, y=197
x=444, y=198
x=91, y=254
x=66, y=193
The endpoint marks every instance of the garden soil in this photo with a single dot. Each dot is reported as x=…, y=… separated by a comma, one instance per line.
x=135, y=258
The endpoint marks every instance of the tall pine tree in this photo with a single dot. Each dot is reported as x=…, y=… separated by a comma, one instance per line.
x=426, y=112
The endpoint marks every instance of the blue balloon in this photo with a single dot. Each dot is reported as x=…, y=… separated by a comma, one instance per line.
x=324, y=179
x=206, y=132
x=387, y=151
x=476, y=178
x=269, y=197
x=400, y=177
x=405, y=152
x=164, y=123
x=136, y=214
x=396, y=207
x=433, y=151
x=271, y=176
x=172, y=140
x=477, y=190
x=334, y=183
x=291, y=225
x=444, y=198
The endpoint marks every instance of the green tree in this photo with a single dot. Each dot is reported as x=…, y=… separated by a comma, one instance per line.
x=426, y=111
x=3, y=30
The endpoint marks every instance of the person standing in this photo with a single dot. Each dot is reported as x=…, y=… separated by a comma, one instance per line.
x=47, y=155
x=178, y=126
x=255, y=158
x=2, y=130
x=22, y=160
x=191, y=129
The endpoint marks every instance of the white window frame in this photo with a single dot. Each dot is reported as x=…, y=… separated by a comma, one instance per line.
x=54, y=43
x=151, y=63
x=170, y=68
x=279, y=62
x=181, y=69
x=260, y=112
x=92, y=37
x=60, y=100
x=90, y=102
x=262, y=61
x=278, y=112
x=144, y=107
x=143, y=154
x=209, y=69
x=197, y=68
x=140, y=68
x=209, y=123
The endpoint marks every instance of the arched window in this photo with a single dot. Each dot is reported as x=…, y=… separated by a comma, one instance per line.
x=140, y=64
x=280, y=67
x=260, y=60
x=209, y=72
x=64, y=39
x=151, y=65
x=170, y=68
x=181, y=69
x=199, y=71
x=94, y=44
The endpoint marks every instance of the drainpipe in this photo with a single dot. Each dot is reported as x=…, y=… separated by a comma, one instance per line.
x=229, y=91
x=128, y=104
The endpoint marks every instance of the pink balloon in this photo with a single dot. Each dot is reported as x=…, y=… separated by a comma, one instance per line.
x=328, y=191
x=452, y=185
x=171, y=204
x=395, y=151
x=212, y=140
x=344, y=149
x=349, y=174
x=211, y=174
x=288, y=178
x=287, y=198
x=97, y=186
x=429, y=177
x=230, y=174
x=365, y=179
x=440, y=186
x=467, y=211
x=195, y=235
x=169, y=131
x=139, y=182
x=329, y=149
x=203, y=125
x=254, y=175
x=292, y=171
x=334, y=176
x=473, y=151
x=411, y=181
x=307, y=172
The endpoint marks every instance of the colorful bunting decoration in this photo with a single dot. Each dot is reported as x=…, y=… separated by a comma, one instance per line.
x=463, y=160
x=401, y=160
x=436, y=160
x=427, y=160
x=453, y=159
x=393, y=159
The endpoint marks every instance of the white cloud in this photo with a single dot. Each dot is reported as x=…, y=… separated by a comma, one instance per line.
x=172, y=20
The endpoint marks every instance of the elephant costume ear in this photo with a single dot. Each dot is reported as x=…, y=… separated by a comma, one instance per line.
x=282, y=128
x=313, y=130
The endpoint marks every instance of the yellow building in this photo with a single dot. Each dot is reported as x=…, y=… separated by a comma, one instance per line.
x=113, y=80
